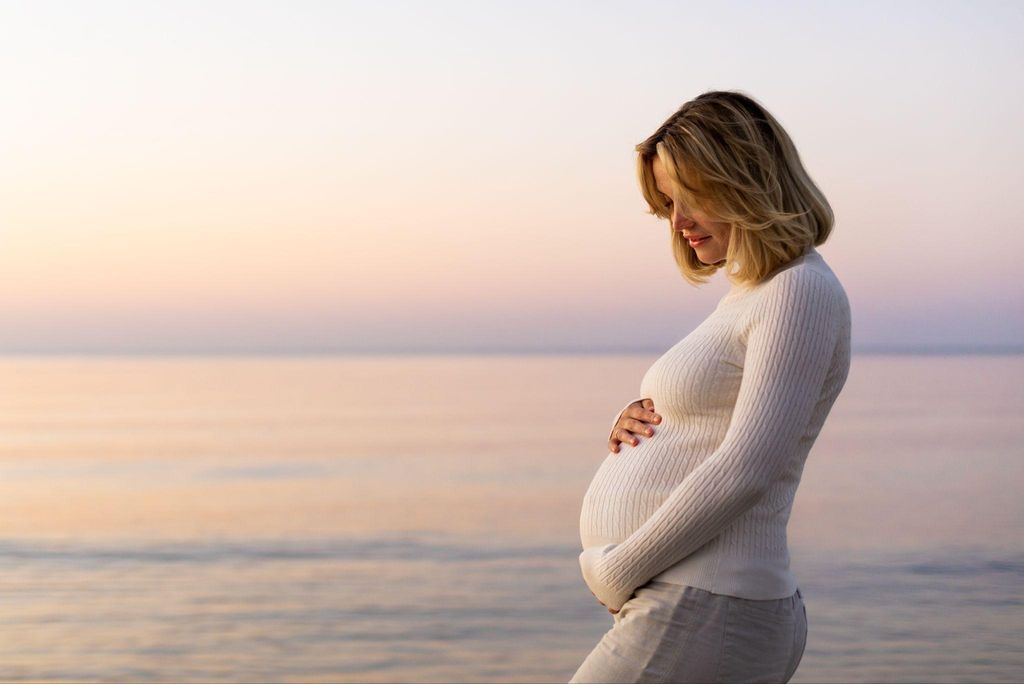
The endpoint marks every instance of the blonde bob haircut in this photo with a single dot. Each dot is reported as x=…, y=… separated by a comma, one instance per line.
x=728, y=157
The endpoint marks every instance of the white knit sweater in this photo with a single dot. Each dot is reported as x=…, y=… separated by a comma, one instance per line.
x=705, y=500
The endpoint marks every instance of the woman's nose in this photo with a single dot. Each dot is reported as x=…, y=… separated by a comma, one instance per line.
x=679, y=221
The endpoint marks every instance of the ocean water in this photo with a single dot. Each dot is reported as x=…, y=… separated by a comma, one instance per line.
x=415, y=518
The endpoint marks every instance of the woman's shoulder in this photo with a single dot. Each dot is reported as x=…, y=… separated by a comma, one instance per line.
x=807, y=277
x=805, y=299
x=800, y=291
x=806, y=281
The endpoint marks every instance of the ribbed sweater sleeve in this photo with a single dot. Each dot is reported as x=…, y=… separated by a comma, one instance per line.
x=791, y=335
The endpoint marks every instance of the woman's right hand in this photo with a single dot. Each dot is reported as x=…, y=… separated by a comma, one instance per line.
x=633, y=421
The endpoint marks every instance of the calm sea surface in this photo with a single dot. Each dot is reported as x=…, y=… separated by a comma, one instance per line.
x=415, y=519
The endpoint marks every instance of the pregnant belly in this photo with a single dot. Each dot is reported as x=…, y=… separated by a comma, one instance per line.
x=626, y=490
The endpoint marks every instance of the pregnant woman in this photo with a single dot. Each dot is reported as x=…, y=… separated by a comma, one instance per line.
x=684, y=533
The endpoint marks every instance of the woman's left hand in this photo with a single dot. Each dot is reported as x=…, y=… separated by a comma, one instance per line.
x=590, y=560
x=613, y=612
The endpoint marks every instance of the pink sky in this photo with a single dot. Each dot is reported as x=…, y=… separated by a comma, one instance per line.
x=455, y=176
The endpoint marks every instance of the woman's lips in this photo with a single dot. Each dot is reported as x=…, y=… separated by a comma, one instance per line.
x=694, y=242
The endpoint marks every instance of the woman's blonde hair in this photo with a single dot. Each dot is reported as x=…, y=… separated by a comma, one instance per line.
x=727, y=156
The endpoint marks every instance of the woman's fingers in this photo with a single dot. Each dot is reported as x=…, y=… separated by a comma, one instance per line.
x=613, y=446
x=633, y=422
x=627, y=437
x=639, y=427
x=645, y=413
x=649, y=415
x=629, y=432
x=622, y=436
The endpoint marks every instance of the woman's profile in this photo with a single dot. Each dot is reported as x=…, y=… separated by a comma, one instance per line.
x=684, y=533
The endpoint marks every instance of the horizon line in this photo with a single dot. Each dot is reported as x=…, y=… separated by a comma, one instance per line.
x=863, y=350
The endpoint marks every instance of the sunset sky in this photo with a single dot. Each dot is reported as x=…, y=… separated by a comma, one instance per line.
x=216, y=177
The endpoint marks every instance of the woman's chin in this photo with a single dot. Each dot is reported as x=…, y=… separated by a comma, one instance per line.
x=708, y=256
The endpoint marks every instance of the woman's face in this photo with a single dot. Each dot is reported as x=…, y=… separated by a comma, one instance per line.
x=712, y=236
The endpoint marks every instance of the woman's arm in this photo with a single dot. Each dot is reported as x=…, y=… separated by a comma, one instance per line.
x=792, y=336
